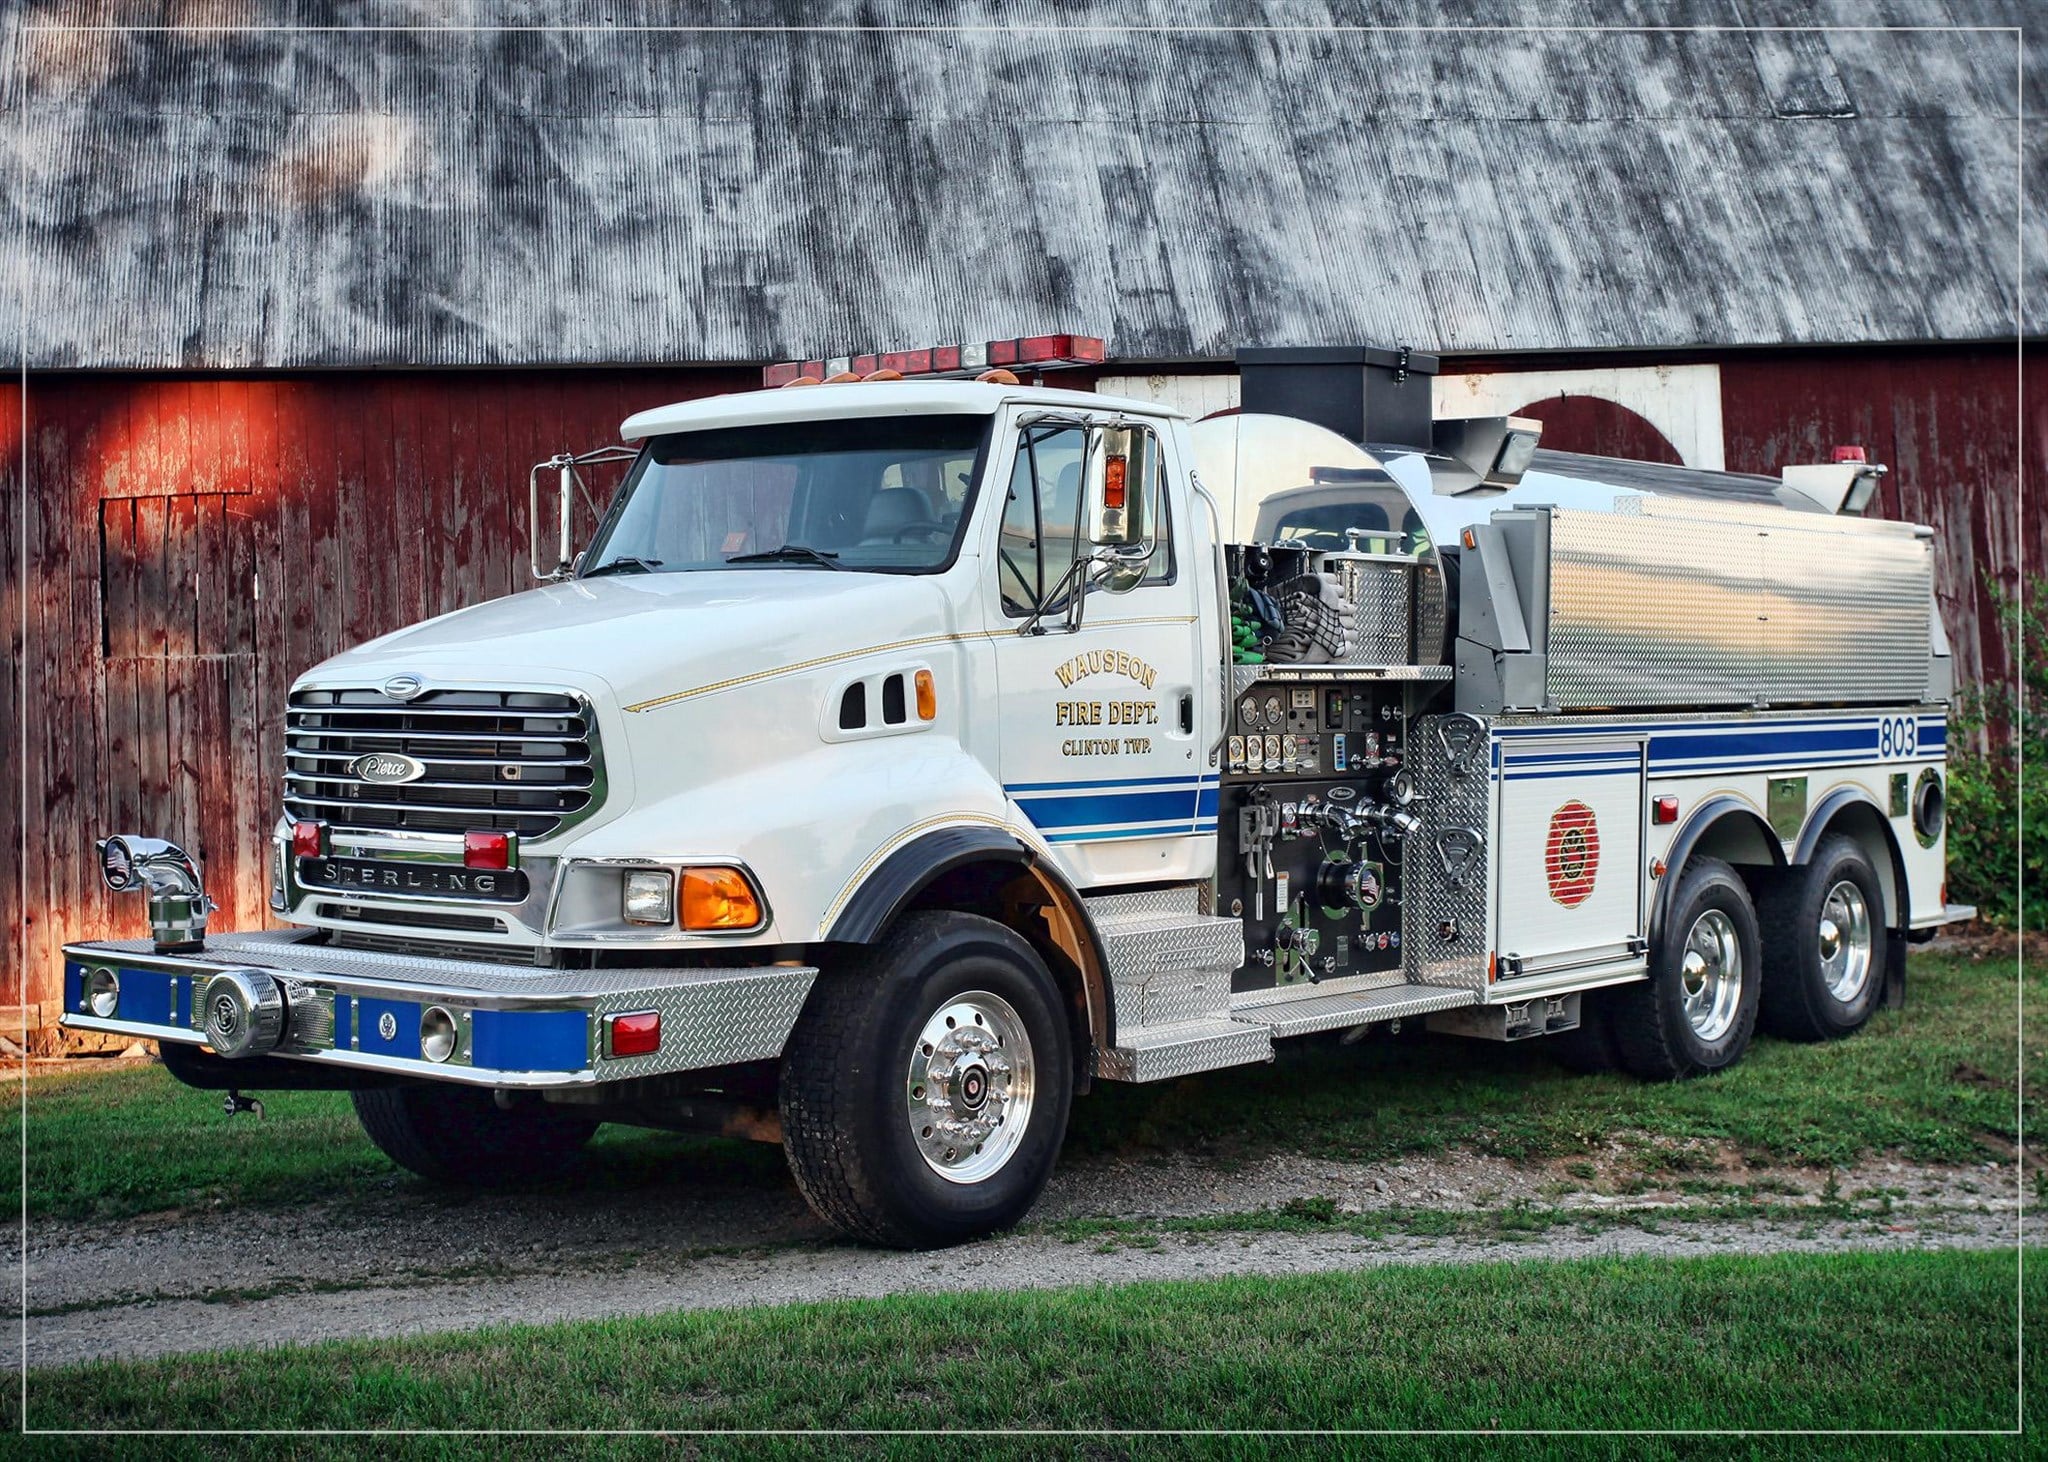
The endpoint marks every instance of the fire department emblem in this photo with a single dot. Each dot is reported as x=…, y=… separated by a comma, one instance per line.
x=1571, y=853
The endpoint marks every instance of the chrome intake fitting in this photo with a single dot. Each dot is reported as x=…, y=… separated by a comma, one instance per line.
x=252, y=1012
x=178, y=904
x=242, y=1013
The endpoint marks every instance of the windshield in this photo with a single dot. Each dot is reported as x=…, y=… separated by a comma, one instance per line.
x=886, y=494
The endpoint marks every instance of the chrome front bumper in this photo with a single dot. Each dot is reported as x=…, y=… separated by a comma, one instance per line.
x=519, y=1026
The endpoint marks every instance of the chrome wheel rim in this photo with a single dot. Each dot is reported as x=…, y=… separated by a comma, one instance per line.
x=969, y=1088
x=1710, y=975
x=1844, y=941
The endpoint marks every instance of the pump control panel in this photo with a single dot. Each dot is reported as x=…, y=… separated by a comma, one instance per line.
x=1315, y=731
x=1313, y=830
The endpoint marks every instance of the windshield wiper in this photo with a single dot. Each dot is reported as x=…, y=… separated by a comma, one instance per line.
x=790, y=553
x=625, y=563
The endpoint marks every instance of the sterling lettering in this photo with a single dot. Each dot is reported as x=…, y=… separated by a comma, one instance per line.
x=404, y=880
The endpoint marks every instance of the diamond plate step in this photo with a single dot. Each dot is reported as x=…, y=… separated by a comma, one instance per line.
x=1180, y=898
x=1167, y=968
x=1161, y=1053
x=1142, y=945
x=1304, y=1014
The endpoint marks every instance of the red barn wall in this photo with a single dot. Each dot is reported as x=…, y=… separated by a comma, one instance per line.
x=193, y=543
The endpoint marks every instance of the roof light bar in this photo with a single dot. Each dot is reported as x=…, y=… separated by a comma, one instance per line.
x=1026, y=352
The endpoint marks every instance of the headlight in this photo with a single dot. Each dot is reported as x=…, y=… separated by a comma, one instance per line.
x=720, y=898
x=438, y=1034
x=103, y=992
x=650, y=897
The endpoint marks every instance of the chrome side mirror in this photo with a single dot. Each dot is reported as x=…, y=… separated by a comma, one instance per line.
x=1122, y=503
x=560, y=561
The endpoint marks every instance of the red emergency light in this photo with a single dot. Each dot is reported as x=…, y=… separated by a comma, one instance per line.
x=1027, y=352
x=636, y=1034
x=486, y=850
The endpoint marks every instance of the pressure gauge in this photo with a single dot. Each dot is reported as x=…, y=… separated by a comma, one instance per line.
x=1275, y=711
x=1248, y=712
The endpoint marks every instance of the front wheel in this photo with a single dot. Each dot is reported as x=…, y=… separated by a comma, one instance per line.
x=926, y=1087
x=1698, y=1010
x=459, y=1134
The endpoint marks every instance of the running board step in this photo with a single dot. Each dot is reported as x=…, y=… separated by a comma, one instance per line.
x=1306, y=1014
x=1161, y=1053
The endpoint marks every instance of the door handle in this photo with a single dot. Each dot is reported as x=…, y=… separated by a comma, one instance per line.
x=1187, y=713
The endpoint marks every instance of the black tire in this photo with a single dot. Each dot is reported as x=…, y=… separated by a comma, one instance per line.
x=1803, y=988
x=458, y=1134
x=848, y=1085
x=1653, y=1033
x=1589, y=1049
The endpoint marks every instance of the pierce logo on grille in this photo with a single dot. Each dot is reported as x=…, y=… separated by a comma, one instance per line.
x=387, y=768
x=1571, y=853
x=403, y=687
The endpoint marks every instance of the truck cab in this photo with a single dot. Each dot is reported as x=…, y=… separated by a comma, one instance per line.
x=900, y=757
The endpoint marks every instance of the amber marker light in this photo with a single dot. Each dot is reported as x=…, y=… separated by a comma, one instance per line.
x=927, y=697
x=719, y=898
x=1113, y=470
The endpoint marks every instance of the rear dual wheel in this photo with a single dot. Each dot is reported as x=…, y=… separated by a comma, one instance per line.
x=1697, y=1012
x=1824, y=964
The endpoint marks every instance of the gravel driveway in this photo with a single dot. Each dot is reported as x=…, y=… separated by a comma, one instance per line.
x=417, y=1261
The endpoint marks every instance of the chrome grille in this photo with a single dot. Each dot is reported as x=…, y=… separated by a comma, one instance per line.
x=510, y=761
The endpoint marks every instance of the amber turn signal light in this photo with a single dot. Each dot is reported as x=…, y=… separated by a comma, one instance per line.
x=719, y=898
x=927, y=697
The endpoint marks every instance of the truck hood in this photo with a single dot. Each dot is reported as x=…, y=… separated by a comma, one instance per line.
x=649, y=635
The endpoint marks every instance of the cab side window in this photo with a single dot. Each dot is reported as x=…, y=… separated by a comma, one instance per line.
x=1041, y=522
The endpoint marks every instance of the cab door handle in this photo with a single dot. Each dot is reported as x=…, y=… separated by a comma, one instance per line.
x=1187, y=713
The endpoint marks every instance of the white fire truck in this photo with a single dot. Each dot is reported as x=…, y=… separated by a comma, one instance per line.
x=909, y=750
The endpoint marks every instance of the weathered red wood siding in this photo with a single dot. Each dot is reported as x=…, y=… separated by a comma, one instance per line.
x=192, y=545
x=1947, y=423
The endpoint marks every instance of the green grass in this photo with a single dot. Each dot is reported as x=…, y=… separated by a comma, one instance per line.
x=1858, y=1341
x=1933, y=1083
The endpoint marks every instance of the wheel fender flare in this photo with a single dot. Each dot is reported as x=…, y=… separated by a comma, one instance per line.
x=1705, y=818
x=895, y=884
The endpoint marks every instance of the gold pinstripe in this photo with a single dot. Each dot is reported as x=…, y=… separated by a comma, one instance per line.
x=798, y=667
x=803, y=665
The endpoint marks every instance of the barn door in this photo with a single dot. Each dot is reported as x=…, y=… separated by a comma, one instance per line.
x=181, y=720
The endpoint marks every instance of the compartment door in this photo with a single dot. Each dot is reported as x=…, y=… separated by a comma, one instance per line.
x=1569, y=873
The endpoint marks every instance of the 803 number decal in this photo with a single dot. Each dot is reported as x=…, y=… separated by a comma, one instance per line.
x=1898, y=736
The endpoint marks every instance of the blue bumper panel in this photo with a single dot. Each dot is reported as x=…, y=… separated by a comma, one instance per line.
x=524, y=1025
x=530, y=1040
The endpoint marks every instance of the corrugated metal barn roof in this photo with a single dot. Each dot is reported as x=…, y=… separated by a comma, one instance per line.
x=304, y=198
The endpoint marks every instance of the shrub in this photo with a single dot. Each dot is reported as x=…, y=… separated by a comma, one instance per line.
x=1985, y=792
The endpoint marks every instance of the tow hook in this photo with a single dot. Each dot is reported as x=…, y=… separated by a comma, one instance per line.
x=236, y=1103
